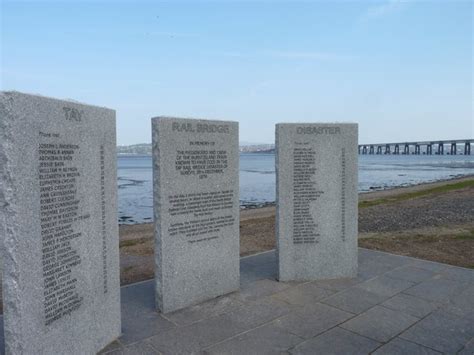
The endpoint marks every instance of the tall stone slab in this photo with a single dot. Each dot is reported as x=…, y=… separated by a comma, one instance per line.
x=196, y=208
x=316, y=200
x=58, y=226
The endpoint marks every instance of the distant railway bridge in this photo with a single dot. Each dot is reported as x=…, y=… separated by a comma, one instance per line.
x=417, y=148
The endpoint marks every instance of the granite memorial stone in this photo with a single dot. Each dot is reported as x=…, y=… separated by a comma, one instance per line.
x=317, y=199
x=196, y=208
x=58, y=226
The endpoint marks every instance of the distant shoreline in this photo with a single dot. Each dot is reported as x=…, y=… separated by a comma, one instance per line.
x=363, y=195
x=432, y=221
x=376, y=193
x=257, y=177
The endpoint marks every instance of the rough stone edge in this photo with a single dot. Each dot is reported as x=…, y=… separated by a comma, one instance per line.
x=158, y=118
x=72, y=101
x=277, y=198
x=11, y=273
x=156, y=173
x=356, y=182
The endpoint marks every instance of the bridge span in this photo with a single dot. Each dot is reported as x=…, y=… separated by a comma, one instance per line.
x=417, y=148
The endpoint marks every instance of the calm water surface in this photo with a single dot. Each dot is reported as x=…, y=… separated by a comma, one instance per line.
x=257, y=178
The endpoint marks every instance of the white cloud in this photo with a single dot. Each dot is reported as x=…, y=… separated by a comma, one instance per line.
x=307, y=55
x=382, y=9
x=172, y=34
x=285, y=54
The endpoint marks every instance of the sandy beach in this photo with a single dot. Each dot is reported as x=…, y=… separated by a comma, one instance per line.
x=433, y=221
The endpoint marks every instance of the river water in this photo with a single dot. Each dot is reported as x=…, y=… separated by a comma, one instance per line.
x=257, y=178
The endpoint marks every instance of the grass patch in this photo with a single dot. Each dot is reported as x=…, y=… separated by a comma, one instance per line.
x=416, y=194
x=465, y=236
x=127, y=269
x=132, y=242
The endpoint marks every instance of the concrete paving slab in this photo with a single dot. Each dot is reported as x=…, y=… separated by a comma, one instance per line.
x=336, y=341
x=428, y=265
x=249, y=274
x=268, y=257
x=192, y=338
x=394, y=260
x=373, y=269
x=468, y=348
x=437, y=289
x=462, y=304
x=259, y=289
x=308, y=317
x=259, y=312
x=458, y=274
x=385, y=286
x=411, y=305
x=337, y=284
x=411, y=273
x=269, y=339
x=304, y=294
x=116, y=345
x=354, y=300
x=267, y=271
x=312, y=320
x=209, y=309
x=441, y=331
x=140, y=348
x=139, y=317
x=380, y=323
x=400, y=346
x=367, y=254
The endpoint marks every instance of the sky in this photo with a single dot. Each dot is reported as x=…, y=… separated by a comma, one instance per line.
x=403, y=70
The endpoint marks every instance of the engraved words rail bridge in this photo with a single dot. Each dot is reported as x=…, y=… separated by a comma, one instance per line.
x=429, y=147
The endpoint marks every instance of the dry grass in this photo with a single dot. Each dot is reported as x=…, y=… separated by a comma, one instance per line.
x=452, y=245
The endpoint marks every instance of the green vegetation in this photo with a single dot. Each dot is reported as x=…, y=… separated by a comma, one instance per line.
x=416, y=194
x=465, y=236
x=127, y=269
x=132, y=242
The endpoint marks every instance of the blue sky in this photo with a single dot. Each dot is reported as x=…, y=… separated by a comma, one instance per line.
x=402, y=69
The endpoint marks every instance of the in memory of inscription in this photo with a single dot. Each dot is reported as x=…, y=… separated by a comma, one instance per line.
x=59, y=213
x=201, y=163
x=196, y=210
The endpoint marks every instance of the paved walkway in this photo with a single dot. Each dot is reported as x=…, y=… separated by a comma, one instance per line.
x=397, y=305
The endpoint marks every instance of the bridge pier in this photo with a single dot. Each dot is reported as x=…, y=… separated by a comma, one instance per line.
x=406, y=150
x=440, y=148
x=432, y=147
x=429, y=149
